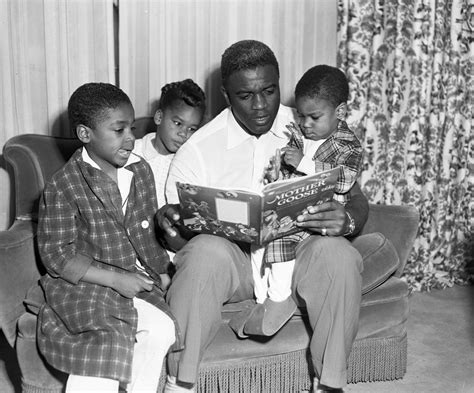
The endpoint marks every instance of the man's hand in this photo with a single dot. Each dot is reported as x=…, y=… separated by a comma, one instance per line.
x=327, y=219
x=291, y=156
x=130, y=284
x=167, y=219
x=175, y=234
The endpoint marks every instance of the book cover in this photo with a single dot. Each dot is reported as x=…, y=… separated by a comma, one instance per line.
x=253, y=217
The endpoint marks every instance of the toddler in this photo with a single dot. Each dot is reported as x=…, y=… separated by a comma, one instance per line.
x=321, y=101
x=105, y=321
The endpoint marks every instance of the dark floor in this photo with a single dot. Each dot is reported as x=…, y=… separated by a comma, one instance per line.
x=440, y=348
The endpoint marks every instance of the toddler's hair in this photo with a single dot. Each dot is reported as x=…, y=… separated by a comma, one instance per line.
x=324, y=82
x=91, y=101
x=244, y=55
x=186, y=90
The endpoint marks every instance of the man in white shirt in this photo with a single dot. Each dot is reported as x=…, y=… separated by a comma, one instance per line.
x=233, y=150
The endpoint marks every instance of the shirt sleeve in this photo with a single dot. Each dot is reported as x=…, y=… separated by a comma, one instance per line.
x=306, y=165
x=349, y=157
x=57, y=236
x=186, y=167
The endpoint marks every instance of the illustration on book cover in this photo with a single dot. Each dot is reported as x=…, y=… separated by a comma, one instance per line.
x=252, y=217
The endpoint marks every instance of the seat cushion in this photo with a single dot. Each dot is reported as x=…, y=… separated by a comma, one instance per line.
x=380, y=259
x=383, y=313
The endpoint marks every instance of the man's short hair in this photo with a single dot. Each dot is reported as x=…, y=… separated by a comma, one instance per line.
x=244, y=55
x=91, y=101
x=324, y=82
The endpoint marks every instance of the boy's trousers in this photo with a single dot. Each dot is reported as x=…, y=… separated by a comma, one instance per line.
x=212, y=271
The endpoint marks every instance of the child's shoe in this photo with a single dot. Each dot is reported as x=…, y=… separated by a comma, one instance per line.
x=268, y=317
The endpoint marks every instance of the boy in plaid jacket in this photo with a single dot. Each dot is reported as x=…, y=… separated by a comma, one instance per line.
x=321, y=101
x=105, y=321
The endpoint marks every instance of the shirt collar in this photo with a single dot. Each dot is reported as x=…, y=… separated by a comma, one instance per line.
x=237, y=135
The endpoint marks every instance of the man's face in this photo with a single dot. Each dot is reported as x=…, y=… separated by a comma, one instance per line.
x=254, y=95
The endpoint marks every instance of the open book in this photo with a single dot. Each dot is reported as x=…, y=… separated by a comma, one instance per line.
x=253, y=217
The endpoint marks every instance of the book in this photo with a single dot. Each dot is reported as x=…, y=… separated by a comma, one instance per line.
x=253, y=217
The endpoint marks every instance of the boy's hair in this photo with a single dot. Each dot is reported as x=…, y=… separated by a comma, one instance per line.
x=90, y=102
x=324, y=82
x=186, y=90
x=244, y=55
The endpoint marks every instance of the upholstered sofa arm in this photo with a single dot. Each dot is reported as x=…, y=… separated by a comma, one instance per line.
x=19, y=272
x=397, y=223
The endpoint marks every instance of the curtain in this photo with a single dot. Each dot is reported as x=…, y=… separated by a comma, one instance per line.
x=47, y=50
x=161, y=41
x=410, y=68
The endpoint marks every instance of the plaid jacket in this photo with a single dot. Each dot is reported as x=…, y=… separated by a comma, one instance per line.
x=344, y=149
x=84, y=328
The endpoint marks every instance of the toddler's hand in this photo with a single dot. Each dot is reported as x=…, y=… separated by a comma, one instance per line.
x=272, y=170
x=292, y=156
x=129, y=284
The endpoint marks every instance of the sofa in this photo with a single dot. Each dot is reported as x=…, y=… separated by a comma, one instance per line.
x=275, y=364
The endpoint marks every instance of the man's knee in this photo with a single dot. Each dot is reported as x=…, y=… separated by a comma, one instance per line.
x=203, y=252
x=335, y=254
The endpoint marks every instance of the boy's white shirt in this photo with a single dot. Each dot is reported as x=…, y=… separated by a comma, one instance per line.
x=306, y=164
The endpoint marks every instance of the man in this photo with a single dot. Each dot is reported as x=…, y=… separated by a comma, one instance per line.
x=233, y=150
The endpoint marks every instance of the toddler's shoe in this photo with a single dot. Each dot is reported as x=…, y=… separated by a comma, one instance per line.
x=268, y=317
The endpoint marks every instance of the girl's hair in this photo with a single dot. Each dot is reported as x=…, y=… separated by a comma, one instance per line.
x=244, y=55
x=187, y=91
x=324, y=82
x=90, y=102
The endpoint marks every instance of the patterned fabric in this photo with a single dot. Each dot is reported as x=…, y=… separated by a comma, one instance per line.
x=84, y=328
x=410, y=67
x=343, y=149
x=283, y=249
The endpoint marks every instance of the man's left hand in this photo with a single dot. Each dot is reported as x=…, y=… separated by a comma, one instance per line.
x=327, y=219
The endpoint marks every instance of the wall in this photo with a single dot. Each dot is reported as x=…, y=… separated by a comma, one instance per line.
x=49, y=48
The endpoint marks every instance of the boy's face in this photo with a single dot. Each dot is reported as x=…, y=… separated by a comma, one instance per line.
x=175, y=125
x=254, y=95
x=111, y=141
x=316, y=117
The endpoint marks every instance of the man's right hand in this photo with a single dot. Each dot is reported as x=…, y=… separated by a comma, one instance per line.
x=168, y=219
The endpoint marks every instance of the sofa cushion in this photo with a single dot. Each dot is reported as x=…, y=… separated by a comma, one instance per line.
x=17, y=252
x=389, y=301
x=380, y=259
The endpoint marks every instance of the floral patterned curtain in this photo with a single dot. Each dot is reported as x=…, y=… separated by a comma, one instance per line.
x=409, y=63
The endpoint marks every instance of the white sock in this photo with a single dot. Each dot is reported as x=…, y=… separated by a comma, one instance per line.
x=279, y=280
x=172, y=387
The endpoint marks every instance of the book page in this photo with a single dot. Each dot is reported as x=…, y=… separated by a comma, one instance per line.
x=232, y=211
x=233, y=214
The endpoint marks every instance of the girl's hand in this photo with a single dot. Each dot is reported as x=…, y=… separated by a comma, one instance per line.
x=292, y=156
x=272, y=170
x=130, y=284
